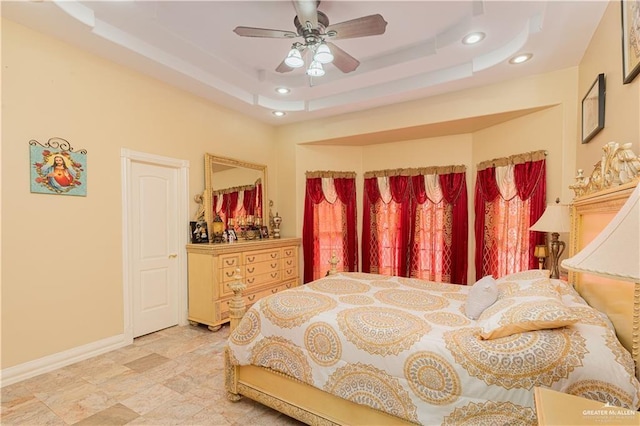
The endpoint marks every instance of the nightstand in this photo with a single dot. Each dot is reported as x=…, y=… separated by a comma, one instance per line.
x=561, y=409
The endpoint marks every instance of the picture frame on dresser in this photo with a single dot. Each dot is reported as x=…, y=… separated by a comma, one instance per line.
x=264, y=232
x=630, y=14
x=198, y=233
x=593, y=109
x=231, y=235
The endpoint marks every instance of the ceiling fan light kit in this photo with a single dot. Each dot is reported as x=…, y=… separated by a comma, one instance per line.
x=313, y=27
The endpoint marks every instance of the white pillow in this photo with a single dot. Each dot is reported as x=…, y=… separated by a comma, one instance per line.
x=483, y=294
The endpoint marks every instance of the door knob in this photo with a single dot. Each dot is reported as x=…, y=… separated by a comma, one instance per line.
x=172, y=255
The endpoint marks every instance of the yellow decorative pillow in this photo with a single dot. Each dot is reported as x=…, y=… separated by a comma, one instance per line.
x=528, y=313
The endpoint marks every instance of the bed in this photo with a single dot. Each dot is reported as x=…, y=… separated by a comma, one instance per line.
x=355, y=348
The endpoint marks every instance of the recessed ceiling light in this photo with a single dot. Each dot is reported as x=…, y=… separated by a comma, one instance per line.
x=520, y=58
x=283, y=90
x=279, y=113
x=473, y=38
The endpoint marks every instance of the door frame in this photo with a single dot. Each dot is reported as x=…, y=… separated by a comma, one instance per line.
x=127, y=157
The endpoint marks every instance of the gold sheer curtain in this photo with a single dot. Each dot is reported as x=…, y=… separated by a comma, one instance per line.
x=415, y=223
x=510, y=197
x=329, y=226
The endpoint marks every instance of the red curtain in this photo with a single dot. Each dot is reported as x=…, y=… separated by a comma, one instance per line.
x=346, y=192
x=249, y=201
x=393, y=241
x=530, y=181
x=454, y=190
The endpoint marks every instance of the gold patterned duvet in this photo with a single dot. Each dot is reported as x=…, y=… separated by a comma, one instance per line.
x=404, y=346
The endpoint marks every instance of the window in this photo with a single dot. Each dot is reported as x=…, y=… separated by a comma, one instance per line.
x=329, y=227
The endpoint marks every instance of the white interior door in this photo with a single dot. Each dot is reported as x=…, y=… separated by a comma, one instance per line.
x=155, y=247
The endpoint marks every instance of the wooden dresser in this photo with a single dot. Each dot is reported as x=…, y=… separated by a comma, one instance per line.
x=266, y=267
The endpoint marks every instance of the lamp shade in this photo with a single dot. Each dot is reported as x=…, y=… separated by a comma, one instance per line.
x=323, y=54
x=554, y=219
x=541, y=251
x=615, y=252
x=294, y=59
x=315, y=69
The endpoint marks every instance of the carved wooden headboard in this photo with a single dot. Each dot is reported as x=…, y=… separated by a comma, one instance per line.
x=619, y=300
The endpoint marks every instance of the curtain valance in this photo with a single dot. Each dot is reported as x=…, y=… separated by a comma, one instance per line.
x=513, y=159
x=237, y=188
x=432, y=170
x=330, y=174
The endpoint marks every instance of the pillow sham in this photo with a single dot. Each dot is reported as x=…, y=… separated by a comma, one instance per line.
x=512, y=315
x=482, y=294
x=535, y=280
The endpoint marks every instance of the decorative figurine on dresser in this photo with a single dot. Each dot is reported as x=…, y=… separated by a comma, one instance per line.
x=265, y=266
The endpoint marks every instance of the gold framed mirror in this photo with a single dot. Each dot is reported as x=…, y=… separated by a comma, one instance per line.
x=228, y=176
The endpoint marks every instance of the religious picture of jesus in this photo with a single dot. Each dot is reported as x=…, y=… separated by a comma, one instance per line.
x=57, y=171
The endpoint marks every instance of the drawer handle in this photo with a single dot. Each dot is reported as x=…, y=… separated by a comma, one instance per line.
x=274, y=274
x=288, y=253
x=251, y=280
x=274, y=290
x=230, y=273
x=274, y=265
x=253, y=296
x=230, y=262
x=289, y=271
x=289, y=262
x=251, y=259
x=288, y=285
x=250, y=270
x=274, y=255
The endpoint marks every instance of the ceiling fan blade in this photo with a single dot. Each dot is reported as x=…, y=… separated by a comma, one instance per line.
x=359, y=27
x=307, y=11
x=283, y=67
x=342, y=60
x=264, y=32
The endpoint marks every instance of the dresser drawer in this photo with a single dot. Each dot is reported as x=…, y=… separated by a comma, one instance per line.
x=251, y=298
x=289, y=262
x=289, y=273
x=229, y=261
x=261, y=256
x=261, y=268
x=289, y=252
x=228, y=274
x=261, y=279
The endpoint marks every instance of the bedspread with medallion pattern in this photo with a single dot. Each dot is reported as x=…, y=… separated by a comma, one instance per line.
x=405, y=346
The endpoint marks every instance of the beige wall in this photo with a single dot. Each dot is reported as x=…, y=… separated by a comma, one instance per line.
x=552, y=129
x=57, y=276
x=622, y=101
x=61, y=255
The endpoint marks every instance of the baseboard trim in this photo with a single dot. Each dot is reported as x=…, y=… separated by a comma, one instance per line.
x=48, y=363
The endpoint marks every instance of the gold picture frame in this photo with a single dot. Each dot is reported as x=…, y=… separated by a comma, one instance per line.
x=630, y=39
x=593, y=109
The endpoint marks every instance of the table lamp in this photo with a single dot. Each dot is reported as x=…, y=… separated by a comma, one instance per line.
x=614, y=252
x=555, y=219
x=541, y=253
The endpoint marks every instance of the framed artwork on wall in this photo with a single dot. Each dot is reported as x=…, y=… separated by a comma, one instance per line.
x=56, y=168
x=593, y=109
x=630, y=39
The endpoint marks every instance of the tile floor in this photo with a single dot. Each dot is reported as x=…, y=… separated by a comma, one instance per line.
x=171, y=377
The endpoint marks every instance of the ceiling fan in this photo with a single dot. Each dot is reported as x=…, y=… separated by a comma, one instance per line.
x=314, y=28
